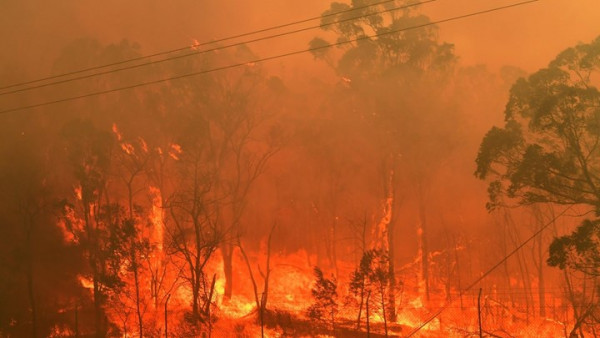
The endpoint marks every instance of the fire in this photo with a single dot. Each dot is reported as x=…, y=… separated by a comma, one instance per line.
x=163, y=288
x=115, y=130
x=86, y=282
x=60, y=331
x=157, y=216
x=175, y=151
x=78, y=192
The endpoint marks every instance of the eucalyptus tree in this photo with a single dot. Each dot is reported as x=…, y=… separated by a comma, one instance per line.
x=548, y=152
x=390, y=72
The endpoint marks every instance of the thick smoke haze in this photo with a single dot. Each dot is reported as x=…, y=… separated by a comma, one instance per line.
x=282, y=197
x=528, y=37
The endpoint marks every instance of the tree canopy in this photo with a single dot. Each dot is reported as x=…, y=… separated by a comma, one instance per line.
x=548, y=149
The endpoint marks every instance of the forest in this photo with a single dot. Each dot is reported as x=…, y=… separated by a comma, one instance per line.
x=378, y=187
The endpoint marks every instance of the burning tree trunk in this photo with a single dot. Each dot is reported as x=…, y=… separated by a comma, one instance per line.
x=386, y=232
x=227, y=253
x=424, y=247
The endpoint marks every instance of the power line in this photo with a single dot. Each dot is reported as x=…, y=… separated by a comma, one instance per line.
x=207, y=43
x=211, y=49
x=259, y=60
x=478, y=280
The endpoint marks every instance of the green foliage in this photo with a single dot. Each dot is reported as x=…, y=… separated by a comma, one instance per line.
x=548, y=149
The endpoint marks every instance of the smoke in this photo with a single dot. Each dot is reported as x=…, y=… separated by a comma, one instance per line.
x=324, y=187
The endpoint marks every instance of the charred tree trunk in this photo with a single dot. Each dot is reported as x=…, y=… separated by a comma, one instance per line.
x=267, y=274
x=252, y=279
x=542, y=291
x=367, y=309
x=134, y=258
x=360, y=306
x=76, y=320
x=137, y=297
x=538, y=244
x=505, y=264
x=227, y=251
x=383, y=306
x=98, y=311
x=93, y=249
x=167, y=316
x=479, y=313
x=29, y=225
x=392, y=274
x=32, y=303
x=424, y=247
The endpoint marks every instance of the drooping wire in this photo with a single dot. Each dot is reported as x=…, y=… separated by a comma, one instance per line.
x=478, y=280
x=205, y=44
x=264, y=59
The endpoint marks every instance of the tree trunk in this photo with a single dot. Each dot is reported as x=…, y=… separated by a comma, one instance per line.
x=227, y=251
x=382, y=291
x=392, y=277
x=424, y=248
x=167, y=316
x=360, y=306
x=479, y=313
x=98, y=313
x=542, y=284
x=137, y=299
x=32, y=303
x=386, y=230
x=367, y=309
x=29, y=274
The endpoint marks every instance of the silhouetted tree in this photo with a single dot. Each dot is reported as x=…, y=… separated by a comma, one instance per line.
x=388, y=74
x=37, y=266
x=90, y=218
x=372, y=277
x=324, y=291
x=548, y=149
x=548, y=152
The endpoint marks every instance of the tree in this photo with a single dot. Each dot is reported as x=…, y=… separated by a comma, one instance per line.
x=372, y=277
x=194, y=233
x=389, y=75
x=93, y=221
x=324, y=291
x=548, y=150
x=37, y=267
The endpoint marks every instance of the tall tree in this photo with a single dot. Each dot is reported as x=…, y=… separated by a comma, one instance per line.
x=37, y=267
x=388, y=74
x=548, y=150
x=92, y=219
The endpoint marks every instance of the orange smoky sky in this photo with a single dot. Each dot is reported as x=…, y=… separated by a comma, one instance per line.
x=528, y=36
